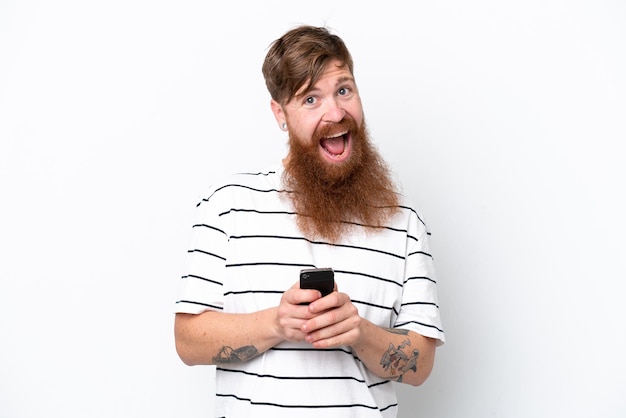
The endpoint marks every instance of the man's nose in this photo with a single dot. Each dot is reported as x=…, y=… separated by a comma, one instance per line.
x=333, y=111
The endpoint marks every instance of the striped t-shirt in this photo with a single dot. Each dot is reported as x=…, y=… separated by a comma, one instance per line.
x=247, y=250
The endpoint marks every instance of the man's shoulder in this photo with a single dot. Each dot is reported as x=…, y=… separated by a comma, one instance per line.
x=264, y=177
x=409, y=210
x=406, y=203
x=267, y=179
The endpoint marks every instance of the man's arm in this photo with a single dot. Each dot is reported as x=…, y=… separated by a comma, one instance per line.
x=221, y=338
x=395, y=354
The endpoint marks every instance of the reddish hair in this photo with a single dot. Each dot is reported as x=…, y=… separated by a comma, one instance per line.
x=299, y=58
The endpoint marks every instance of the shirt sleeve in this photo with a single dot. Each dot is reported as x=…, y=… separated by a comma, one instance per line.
x=201, y=286
x=419, y=310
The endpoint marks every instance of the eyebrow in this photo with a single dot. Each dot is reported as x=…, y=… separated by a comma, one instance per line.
x=344, y=79
x=340, y=81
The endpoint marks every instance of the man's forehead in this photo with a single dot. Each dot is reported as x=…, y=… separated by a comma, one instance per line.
x=338, y=73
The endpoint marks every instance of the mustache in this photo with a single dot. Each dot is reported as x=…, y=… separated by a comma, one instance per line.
x=332, y=128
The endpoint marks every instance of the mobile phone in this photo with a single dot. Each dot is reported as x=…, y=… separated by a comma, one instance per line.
x=322, y=279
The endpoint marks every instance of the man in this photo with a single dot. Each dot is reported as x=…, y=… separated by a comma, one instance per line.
x=331, y=203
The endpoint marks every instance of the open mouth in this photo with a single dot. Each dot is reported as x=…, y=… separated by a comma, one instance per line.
x=336, y=146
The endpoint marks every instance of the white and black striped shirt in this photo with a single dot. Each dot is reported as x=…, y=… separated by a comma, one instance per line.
x=246, y=250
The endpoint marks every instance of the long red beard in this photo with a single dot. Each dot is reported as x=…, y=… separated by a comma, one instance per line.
x=331, y=198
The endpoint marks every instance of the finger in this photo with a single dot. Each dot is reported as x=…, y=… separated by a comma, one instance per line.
x=324, y=319
x=297, y=296
x=346, y=313
x=290, y=320
x=331, y=301
x=293, y=314
x=333, y=337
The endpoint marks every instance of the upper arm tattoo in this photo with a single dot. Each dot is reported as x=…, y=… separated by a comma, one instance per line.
x=401, y=359
x=228, y=355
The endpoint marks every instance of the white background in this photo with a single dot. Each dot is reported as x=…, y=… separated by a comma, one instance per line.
x=504, y=120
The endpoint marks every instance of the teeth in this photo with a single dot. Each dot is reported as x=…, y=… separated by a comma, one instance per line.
x=337, y=135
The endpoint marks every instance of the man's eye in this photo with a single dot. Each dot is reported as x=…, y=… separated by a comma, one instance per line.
x=309, y=100
x=343, y=91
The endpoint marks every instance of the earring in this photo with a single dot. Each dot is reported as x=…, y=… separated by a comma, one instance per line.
x=284, y=126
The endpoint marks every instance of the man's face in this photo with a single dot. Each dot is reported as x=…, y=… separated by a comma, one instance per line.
x=337, y=176
x=314, y=115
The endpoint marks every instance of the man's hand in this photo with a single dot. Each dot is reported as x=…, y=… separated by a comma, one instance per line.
x=333, y=321
x=293, y=312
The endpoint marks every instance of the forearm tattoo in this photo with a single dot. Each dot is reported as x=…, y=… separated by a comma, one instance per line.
x=400, y=360
x=229, y=355
x=398, y=331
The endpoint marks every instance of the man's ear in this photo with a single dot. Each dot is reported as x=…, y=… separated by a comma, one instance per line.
x=279, y=114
